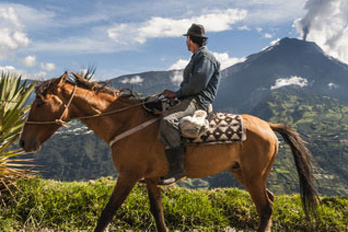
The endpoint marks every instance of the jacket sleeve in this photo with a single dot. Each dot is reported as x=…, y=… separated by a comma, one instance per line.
x=201, y=74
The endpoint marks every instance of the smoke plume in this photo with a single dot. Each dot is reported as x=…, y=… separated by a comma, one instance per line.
x=326, y=23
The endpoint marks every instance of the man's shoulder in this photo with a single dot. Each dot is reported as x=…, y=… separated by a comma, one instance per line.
x=204, y=52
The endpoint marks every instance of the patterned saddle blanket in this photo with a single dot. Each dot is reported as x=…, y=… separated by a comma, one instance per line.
x=223, y=128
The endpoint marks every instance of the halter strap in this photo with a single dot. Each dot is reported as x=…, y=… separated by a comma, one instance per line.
x=60, y=120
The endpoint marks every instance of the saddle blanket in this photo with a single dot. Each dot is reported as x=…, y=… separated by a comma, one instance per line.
x=223, y=128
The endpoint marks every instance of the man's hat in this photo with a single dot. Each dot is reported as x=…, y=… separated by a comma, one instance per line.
x=196, y=30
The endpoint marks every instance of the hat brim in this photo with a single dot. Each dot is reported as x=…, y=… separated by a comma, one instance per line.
x=204, y=37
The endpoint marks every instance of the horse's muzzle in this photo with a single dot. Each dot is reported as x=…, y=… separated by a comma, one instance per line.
x=28, y=146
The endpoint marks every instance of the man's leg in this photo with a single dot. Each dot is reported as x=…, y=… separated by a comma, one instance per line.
x=170, y=135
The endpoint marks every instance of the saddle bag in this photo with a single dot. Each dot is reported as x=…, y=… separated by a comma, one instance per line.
x=195, y=125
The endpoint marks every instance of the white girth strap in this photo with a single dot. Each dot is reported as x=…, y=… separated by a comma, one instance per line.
x=133, y=130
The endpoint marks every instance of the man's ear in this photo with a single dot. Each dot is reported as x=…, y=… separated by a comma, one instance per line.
x=62, y=79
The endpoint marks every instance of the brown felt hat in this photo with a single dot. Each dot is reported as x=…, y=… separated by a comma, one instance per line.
x=196, y=30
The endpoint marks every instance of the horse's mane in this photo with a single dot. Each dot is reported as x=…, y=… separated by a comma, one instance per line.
x=126, y=94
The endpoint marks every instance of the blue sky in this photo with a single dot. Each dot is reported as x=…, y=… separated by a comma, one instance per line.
x=41, y=39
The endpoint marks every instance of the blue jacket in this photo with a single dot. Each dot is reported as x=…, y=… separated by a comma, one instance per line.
x=201, y=78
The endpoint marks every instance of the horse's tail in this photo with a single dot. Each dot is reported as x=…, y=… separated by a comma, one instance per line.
x=302, y=157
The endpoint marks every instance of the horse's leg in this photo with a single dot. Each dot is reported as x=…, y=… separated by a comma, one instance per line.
x=264, y=205
x=122, y=189
x=262, y=197
x=156, y=203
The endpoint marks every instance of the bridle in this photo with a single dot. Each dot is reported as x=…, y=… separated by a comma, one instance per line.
x=62, y=122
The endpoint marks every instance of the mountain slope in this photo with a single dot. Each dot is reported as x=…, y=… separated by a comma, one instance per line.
x=149, y=82
x=246, y=83
x=322, y=121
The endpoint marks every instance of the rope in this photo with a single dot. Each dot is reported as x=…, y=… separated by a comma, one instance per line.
x=157, y=95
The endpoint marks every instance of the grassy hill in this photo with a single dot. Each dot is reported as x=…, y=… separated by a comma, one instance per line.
x=76, y=206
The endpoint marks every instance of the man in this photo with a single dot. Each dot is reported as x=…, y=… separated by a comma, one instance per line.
x=197, y=91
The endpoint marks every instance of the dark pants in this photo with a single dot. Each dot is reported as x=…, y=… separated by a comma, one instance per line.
x=169, y=127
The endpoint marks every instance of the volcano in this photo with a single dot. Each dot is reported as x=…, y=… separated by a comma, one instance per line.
x=288, y=63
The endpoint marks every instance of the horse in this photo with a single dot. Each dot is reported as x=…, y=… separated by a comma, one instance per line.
x=132, y=133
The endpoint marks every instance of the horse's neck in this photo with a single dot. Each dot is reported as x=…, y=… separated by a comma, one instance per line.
x=87, y=103
x=107, y=127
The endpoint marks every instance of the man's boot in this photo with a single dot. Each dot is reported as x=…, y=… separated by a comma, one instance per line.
x=175, y=157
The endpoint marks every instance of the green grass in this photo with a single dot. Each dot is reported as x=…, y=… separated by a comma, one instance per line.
x=76, y=206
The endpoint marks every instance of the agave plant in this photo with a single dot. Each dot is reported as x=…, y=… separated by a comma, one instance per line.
x=14, y=94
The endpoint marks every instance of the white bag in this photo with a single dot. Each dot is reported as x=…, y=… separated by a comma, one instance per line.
x=194, y=126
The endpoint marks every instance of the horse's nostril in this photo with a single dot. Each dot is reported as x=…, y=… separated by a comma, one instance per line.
x=21, y=142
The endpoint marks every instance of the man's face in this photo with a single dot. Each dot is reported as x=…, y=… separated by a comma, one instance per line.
x=188, y=43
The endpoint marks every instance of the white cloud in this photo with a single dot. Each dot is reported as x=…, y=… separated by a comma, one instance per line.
x=267, y=35
x=227, y=61
x=7, y=68
x=244, y=28
x=12, y=35
x=179, y=64
x=38, y=75
x=177, y=77
x=48, y=66
x=23, y=73
x=13, y=70
x=133, y=80
x=156, y=27
x=326, y=23
x=21, y=38
x=9, y=15
x=224, y=59
x=274, y=42
x=333, y=86
x=293, y=80
x=271, y=44
x=29, y=61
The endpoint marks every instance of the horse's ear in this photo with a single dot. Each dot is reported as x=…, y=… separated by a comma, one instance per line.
x=77, y=76
x=62, y=79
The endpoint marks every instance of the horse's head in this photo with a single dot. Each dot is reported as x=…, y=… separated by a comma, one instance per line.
x=43, y=120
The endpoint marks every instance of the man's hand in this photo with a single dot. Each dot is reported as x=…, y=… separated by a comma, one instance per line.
x=169, y=94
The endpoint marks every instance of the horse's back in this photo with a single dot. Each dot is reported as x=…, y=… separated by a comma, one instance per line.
x=259, y=147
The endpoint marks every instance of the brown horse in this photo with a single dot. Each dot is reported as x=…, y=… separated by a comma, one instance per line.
x=110, y=113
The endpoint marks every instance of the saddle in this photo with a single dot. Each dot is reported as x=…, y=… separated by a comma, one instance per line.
x=224, y=128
